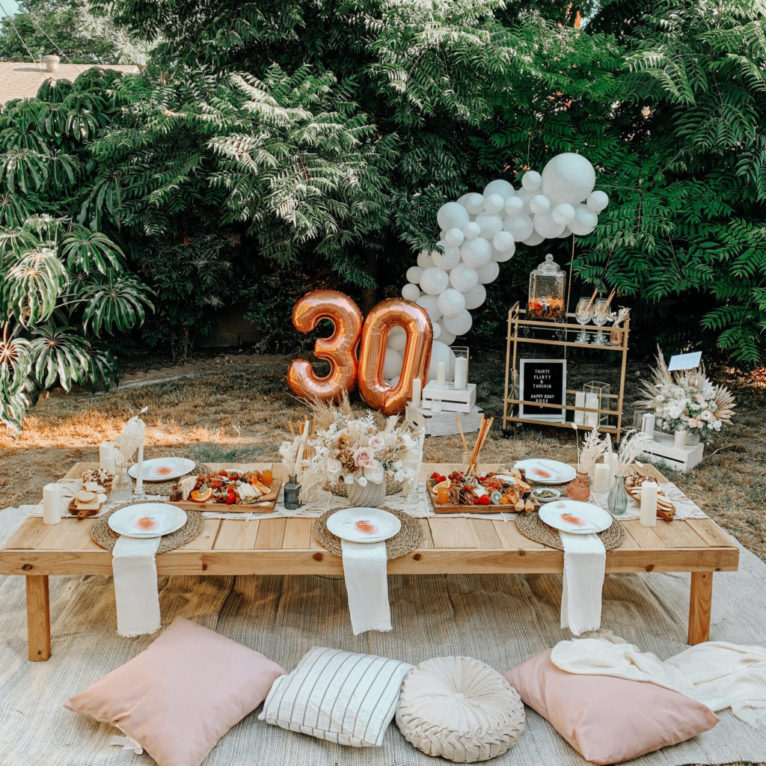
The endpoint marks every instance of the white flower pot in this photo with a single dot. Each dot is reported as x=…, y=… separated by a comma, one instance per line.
x=679, y=438
x=371, y=495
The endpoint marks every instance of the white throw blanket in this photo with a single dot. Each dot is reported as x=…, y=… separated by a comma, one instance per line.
x=365, y=569
x=716, y=673
x=584, y=568
x=135, y=585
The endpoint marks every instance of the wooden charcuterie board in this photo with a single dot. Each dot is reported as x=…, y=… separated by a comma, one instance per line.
x=456, y=508
x=266, y=504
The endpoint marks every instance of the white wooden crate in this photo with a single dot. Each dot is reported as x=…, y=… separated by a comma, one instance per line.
x=661, y=449
x=444, y=423
x=452, y=399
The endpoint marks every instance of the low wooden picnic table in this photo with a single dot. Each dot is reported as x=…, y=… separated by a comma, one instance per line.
x=285, y=546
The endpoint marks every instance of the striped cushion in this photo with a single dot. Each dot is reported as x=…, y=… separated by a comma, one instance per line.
x=340, y=696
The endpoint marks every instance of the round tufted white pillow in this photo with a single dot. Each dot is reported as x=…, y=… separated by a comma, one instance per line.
x=460, y=709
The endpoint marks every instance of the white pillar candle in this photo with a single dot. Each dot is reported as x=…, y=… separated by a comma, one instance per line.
x=441, y=373
x=647, y=424
x=140, y=468
x=52, y=499
x=417, y=387
x=610, y=459
x=579, y=415
x=461, y=372
x=106, y=456
x=602, y=478
x=648, y=513
x=591, y=402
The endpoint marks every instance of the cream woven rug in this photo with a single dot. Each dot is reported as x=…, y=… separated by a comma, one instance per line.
x=501, y=620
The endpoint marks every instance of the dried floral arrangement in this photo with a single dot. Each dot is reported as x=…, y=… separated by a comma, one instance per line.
x=341, y=445
x=687, y=400
x=631, y=447
x=593, y=448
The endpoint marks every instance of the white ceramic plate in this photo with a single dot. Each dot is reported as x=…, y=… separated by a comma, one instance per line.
x=163, y=468
x=147, y=520
x=542, y=471
x=561, y=514
x=363, y=525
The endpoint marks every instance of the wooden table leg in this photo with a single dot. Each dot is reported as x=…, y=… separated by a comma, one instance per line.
x=38, y=618
x=700, y=602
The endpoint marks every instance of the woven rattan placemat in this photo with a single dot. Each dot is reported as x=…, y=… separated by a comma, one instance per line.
x=103, y=535
x=530, y=525
x=406, y=540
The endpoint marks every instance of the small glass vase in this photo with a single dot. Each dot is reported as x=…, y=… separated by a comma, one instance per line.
x=292, y=493
x=618, y=497
x=371, y=495
x=578, y=488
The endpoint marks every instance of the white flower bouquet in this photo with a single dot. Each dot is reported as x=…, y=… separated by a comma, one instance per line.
x=355, y=449
x=687, y=400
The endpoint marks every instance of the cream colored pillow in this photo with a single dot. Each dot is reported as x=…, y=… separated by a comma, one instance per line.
x=460, y=709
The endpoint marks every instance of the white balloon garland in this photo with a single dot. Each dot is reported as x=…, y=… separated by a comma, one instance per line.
x=480, y=231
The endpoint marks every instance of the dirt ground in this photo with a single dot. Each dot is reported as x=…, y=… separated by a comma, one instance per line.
x=236, y=407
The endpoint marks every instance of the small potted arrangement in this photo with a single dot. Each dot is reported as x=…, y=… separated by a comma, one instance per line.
x=687, y=404
x=356, y=453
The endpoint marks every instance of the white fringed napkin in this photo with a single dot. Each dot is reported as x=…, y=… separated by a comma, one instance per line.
x=365, y=569
x=135, y=585
x=584, y=570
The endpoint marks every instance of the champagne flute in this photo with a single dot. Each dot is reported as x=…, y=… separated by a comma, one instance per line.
x=600, y=318
x=583, y=315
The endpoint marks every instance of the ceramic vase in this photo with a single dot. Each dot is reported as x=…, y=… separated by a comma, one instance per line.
x=578, y=488
x=371, y=495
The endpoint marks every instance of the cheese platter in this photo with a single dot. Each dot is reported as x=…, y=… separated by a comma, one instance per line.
x=227, y=491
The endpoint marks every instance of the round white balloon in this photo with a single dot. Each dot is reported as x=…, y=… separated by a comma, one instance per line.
x=458, y=325
x=514, y=206
x=429, y=303
x=452, y=215
x=597, y=201
x=493, y=203
x=446, y=259
x=413, y=274
x=463, y=278
x=503, y=241
x=434, y=281
x=568, y=177
x=501, y=256
x=534, y=239
x=424, y=259
x=584, y=222
x=453, y=238
x=531, y=181
x=393, y=363
x=520, y=227
x=471, y=230
x=476, y=253
x=436, y=328
x=546, y=227
x=473, y=203
x=440, y=352
x=397, y=338
x=451, y=302
x=410, y=292
x=563, y=213
x=539, y=204
x=474, y=298
x=489, y=225
x=488, y=273
x=447, y=337
x=501, y=187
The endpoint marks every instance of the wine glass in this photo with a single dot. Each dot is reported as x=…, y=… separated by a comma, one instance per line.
x=600, y=318
x=583, y=315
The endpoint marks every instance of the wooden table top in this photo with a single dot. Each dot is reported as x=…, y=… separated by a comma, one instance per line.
x=286, y=546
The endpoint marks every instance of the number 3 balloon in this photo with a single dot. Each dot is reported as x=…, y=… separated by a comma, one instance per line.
x=372, y=353
x=338, y=349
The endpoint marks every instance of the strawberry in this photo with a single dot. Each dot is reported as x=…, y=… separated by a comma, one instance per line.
x=483, y=500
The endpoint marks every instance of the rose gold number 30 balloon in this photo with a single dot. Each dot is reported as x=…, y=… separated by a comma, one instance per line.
x=372, y=353
x=339, y=349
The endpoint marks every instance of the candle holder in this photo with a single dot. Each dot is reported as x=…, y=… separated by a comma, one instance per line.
x=460, y=379
x=601, y=392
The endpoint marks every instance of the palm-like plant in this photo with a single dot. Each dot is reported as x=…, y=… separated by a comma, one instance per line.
x=63, y=286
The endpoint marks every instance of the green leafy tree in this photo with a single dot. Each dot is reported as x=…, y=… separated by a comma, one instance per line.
x=67, y=27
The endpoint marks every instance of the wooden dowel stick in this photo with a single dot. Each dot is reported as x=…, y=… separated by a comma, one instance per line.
x=462, y=437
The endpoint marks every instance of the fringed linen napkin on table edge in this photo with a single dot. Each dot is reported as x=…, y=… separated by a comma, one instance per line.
x=135, y=585
x=583, y=582
x=365, y=570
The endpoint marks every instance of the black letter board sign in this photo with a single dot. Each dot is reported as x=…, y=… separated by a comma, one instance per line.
x=544, y=381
